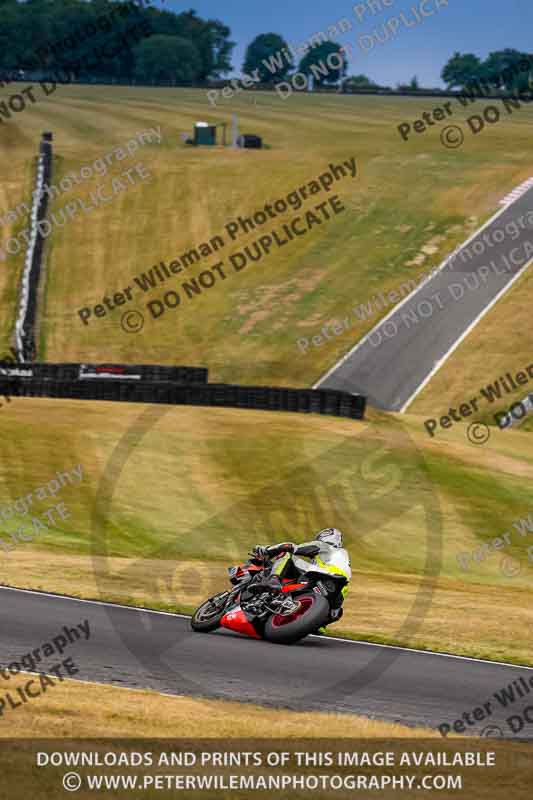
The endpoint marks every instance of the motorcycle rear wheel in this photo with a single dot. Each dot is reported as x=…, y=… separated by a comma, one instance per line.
x=311, y=615
x=207, y=617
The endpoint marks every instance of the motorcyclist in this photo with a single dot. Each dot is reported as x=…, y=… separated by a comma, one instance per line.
x=325, y=553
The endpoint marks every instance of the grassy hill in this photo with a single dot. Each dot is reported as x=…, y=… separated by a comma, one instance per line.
x=411, y=203
x=171, y=496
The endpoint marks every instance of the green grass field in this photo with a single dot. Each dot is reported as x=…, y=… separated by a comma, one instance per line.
x=411, y=203
x=172, y=496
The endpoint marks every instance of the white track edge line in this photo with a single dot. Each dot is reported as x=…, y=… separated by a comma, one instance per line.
x=93, y=602
x=465, y=333
x=333, y=638
x=124, y=688
x=413, y=293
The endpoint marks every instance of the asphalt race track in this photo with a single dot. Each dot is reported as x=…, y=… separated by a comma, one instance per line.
x=130, y=647
x=399, y=355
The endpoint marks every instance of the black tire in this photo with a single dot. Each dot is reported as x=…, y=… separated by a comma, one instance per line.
x=204, y=622
x=309, y=622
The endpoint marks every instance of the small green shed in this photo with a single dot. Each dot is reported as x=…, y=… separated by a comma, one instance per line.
x=205, y=134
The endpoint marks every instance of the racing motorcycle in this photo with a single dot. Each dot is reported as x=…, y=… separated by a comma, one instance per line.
x=280, y=610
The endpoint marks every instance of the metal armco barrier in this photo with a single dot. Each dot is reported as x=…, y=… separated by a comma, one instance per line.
x=268, y=398
x=25, y=323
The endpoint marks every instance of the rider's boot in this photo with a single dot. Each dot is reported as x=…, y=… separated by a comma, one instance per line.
x=334, y=616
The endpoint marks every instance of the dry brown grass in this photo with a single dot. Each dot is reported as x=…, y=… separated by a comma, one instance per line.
x=194, y=193
x=111, y=720
x=74, y=709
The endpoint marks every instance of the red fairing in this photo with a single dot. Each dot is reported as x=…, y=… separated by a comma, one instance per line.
x=236, y=620
x=293, y=587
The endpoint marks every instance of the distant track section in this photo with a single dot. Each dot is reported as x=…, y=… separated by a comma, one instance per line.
x=397, y=358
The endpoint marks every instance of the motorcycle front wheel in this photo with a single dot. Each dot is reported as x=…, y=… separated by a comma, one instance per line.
x=207, y=617
x=312, y=613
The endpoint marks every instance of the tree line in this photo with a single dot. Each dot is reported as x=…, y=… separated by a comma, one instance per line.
x=511, y=65
x=50, y=35
x=183, y=48
x=272, y=59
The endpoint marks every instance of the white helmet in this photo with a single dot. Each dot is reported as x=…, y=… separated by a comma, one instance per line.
x=330, y=536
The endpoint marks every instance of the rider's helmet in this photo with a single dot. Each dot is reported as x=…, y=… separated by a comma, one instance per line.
x=330, y=536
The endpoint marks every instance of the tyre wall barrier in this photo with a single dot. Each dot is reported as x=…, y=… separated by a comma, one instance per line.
x=76, y=371
x=268, y=398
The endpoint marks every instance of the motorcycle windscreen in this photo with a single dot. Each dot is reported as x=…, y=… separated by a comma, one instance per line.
x=235, y=620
